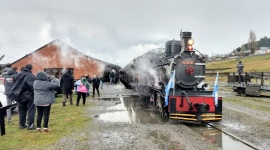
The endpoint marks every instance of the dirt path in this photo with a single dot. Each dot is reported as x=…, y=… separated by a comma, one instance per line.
x=146, y=132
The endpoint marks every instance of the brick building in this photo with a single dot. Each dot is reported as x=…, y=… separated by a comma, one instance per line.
x=56, y=56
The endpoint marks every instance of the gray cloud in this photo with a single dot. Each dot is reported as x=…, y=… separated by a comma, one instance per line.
x=120, y=30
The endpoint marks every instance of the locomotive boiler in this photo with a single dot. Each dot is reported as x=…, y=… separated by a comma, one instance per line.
x=172, y=79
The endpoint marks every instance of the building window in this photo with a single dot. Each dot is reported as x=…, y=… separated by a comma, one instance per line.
x=57, y=72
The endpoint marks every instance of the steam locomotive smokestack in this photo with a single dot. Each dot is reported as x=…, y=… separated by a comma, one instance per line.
x=185, y=36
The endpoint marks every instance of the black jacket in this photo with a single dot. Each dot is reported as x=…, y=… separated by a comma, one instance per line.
x=67, y=82
x=9, y=81
x=22, y=90
x=88, y=79
x=240, y=67
x=95, y=81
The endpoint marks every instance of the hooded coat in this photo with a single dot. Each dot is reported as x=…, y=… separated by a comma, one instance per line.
x=22, y=90
x=9, y=81
x=67, y=83
x=82, y=85
x=44, y=89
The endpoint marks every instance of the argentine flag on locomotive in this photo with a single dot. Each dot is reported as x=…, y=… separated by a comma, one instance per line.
x=215, y=91
x=169, y=86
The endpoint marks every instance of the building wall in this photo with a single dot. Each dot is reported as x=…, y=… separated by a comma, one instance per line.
x=61, y=56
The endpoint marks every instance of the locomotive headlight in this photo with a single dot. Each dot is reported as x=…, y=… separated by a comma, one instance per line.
x=190, y=42
x=190, y=45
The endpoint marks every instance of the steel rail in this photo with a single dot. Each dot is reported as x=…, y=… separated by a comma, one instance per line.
x=229, y=134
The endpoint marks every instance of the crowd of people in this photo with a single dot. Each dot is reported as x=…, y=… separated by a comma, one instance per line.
x=37, y=93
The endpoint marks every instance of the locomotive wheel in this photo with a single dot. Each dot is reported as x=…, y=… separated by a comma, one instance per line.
x=152, y=98
x=165, y=115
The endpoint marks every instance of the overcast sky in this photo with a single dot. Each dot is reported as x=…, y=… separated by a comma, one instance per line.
x=120, y=30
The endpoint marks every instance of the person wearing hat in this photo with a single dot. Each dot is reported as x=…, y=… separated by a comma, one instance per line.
x=23, y=93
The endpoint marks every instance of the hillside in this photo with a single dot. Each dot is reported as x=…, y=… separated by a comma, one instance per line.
x=258, y=63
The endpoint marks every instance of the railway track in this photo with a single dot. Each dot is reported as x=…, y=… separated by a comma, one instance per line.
x=234, y=137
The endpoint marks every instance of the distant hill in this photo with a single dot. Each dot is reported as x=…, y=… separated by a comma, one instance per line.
x=257, y=63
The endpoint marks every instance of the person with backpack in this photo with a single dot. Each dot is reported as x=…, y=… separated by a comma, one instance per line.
x=82, y=89
x=23, y=93
x=8, y=83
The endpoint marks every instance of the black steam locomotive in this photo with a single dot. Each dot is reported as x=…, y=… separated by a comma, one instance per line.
x=174, y=82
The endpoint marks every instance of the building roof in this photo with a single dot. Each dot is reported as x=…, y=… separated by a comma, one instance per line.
x=57, y=40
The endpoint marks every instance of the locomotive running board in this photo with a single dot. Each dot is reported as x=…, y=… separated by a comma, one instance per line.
x=192, y=117
x=210, y=119
x=182, y=118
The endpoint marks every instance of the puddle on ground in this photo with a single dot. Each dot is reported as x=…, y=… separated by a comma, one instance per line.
x=109, y=99
x=164, y=141
x=222, y=140
x=235, y=126
x=129, y=95
x=131, y=110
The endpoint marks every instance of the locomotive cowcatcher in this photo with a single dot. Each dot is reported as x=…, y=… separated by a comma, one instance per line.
x=173, y=81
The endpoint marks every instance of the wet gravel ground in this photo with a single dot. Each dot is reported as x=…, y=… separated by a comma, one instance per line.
x=249, y=124
x=103, y=135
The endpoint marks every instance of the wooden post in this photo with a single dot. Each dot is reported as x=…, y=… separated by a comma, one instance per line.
x=2, y=117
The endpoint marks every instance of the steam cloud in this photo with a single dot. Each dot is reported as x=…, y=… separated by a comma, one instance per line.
x=147, y=73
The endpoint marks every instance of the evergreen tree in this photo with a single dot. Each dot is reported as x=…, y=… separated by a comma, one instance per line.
x=252, y=43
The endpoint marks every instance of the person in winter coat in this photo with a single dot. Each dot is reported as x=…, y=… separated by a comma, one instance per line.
x=23, y=93
x=44, y=97
x=101, y=81
x=8, y=83
x=240, y=68
x=67, y=85
x=95, y=82
x=112, y=76
x=89, y=81
x=82, y=89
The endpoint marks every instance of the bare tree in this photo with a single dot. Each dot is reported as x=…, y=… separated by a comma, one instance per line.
x=252, y=44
